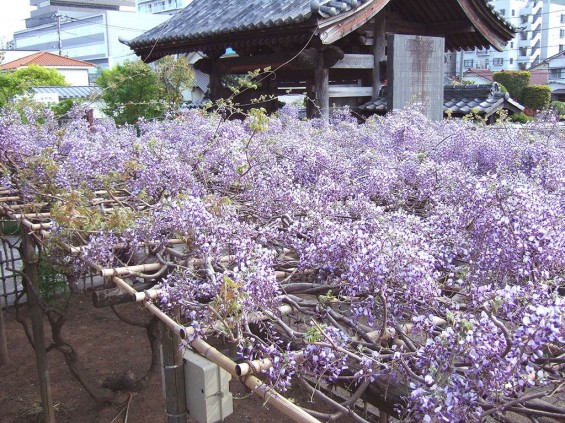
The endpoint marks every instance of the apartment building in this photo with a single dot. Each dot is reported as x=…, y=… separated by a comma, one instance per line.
x=541, y=25
x=168, y=7
x=87, y=30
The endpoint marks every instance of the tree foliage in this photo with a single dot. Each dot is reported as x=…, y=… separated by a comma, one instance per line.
x=175, y=75
x=537, y=97
x=514, y=82
x=136, y=90
x=131, y=91
x=21, y=80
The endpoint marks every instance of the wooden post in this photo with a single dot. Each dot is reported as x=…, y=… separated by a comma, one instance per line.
x=30, y=270
x=4, y=358
x=321, y=88
x=175, y=397
x=379, y=52
x=215, y=81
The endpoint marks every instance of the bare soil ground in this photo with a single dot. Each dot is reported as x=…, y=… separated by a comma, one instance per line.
x=107, y=346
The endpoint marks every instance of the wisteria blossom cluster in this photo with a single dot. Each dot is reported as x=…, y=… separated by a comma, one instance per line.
x=430, y=255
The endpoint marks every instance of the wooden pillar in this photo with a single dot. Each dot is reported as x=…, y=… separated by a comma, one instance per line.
x=310, y=99
x=321, y=88
x=379, y=52
x=4, y=358
x=215, y=81
x=30, y=270
x=175, y=396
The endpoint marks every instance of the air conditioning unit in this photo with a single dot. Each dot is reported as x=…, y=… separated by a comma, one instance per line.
x=208, y=397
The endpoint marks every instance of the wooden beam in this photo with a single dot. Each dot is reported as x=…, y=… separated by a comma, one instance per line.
x=453, y=27
x=355, y=61
x=397, y=26
x=336, y=92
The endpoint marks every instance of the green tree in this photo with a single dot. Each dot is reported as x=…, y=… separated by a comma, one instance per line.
x=175, y=75
x=537, y=97
x=131, y=91
x=21, y=80
x=514, y=82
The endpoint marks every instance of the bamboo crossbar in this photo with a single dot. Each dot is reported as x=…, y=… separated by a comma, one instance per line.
x=252, y=367
x=140, y=268
x=32, y=215
x=256, y=385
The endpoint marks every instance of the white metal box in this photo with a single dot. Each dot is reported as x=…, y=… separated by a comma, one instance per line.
x=208, y=397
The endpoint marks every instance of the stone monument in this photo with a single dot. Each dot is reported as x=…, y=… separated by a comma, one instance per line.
x=415, y=73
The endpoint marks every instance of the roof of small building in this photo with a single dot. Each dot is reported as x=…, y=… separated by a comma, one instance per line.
x=44, y=58
x=538, y=76
x=69, y=92
x=482, y=73
x=213, y=25
x=484, y=99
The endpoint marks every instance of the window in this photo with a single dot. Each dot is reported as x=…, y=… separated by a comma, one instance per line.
x=513, y=12
x=557, y=73
x=512, y=44
x=468, y=63
x=502, y=12
x=562, y=33
x=561, y=48
x=498, y=61
x=486, y=63
x=511, y=60
x=562, y=18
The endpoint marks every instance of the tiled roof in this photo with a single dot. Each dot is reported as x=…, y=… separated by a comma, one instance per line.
x=231, y=16
x=483, y=73
x=461, y=100
x=44, y=58
x=69, y=92
x=212, y=25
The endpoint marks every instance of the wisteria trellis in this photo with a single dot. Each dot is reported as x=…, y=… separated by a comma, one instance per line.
x=432, y=253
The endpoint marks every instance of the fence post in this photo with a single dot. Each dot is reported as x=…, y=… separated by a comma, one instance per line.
x=31, y=284
x=4, y=358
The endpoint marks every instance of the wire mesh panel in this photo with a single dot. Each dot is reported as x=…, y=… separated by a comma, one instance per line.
x=10, y=263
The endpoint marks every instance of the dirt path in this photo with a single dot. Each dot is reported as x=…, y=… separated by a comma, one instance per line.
x=107, y=346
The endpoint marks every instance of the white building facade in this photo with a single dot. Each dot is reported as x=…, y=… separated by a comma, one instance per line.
x=168, y=7
x=541, y=26
x=91, y=34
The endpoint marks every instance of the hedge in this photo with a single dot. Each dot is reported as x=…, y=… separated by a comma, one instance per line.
x=514, y=82
x=536, y=97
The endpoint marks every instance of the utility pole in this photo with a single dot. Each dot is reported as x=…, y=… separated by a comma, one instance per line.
x=58, y=16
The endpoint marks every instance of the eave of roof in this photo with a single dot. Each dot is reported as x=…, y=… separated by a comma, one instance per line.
x=260, y=22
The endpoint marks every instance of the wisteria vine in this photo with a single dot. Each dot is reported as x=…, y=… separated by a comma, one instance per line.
x=430, y=254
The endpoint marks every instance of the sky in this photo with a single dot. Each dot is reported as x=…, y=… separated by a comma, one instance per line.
x=12, y=17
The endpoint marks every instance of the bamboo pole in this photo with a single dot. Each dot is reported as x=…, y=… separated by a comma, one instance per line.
x=256, y=385
x=183, y=332
x=30, y=261
x=253, y=367
x=120, y=271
